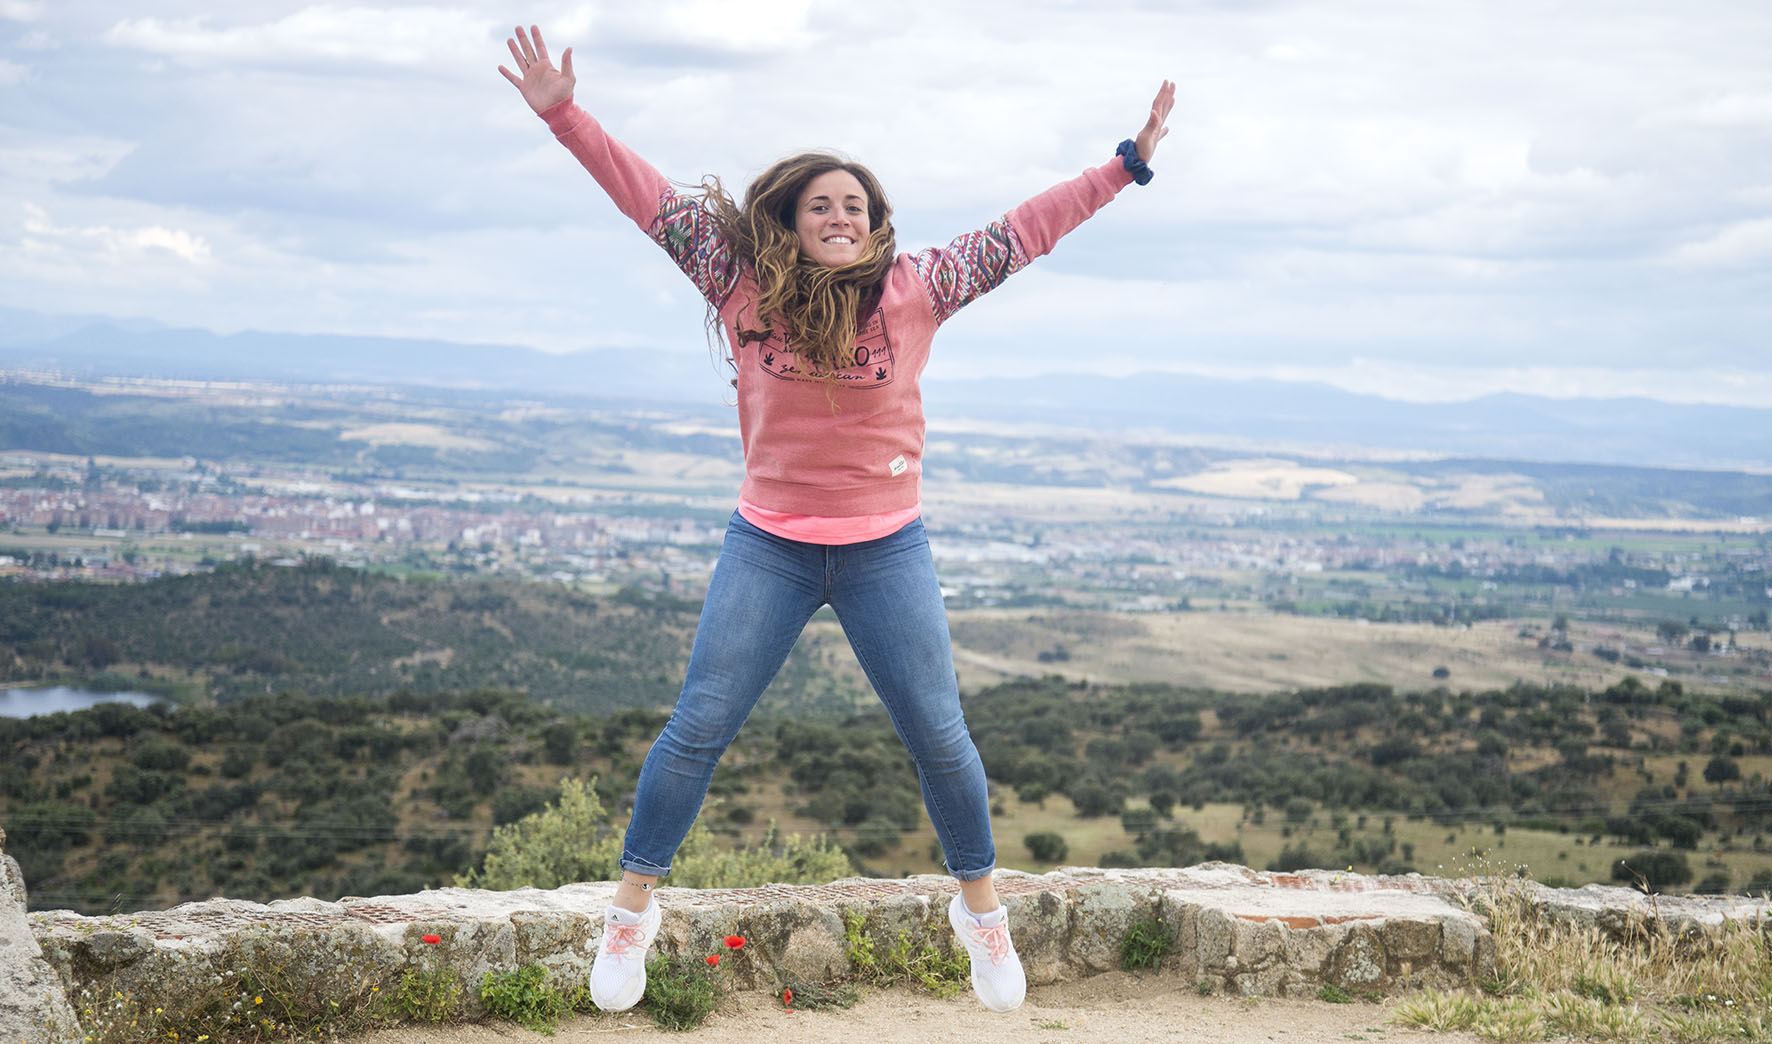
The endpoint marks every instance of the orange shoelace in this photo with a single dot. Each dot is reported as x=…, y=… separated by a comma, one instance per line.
x=622, y=936
x=995, y=939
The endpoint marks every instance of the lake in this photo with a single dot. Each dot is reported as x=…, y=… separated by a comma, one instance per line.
x=28, y=703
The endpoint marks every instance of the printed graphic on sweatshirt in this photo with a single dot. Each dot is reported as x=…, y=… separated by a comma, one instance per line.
x=873, y=366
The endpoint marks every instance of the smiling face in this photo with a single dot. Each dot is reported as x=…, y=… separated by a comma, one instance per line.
x=831, y=219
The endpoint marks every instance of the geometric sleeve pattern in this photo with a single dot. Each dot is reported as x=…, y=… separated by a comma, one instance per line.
x=687, y=232
x=973, y=264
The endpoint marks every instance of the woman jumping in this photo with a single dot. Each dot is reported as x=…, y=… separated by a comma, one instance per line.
x=829, y=329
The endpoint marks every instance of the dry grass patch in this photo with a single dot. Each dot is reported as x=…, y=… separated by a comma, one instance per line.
x=1259, y=479
x=1256, y=652
x=1558, y=978
x=408, y=434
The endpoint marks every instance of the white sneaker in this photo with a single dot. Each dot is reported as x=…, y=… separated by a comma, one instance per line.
x=997, y=977
x=618, y=975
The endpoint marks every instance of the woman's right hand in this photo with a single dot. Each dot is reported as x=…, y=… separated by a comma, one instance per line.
x=543, y=86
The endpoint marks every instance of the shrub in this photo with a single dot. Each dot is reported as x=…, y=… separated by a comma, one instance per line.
x=1138, y=820
x=1093, y=799
x=525, y=997
x=428, y=994
x=1146, y=945
x=572, y=840
x=942, y=974
x=1047, y=846
x=679, y=994
x=1298, y=857
x=1658, y=871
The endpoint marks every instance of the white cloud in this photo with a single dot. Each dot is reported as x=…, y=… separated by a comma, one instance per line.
x=45, y=240
x=1737, y=109
x=1494, y=182
x=39, y=160
x=1744, y=243
x=406, y=36
x=771, y=25
x=12, y=73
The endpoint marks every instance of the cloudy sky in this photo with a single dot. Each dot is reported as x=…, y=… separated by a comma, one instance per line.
x=1425, y=200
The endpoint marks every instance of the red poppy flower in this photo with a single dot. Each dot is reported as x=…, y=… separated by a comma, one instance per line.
x=735, y=942
x=787, y=996
x=713, y=960
x=433, y=939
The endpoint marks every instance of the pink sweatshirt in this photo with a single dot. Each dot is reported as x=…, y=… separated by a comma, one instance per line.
x=866, y=456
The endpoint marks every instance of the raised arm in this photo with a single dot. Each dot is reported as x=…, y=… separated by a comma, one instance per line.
x=543, y=86
x=679, y=224
x=978, y=262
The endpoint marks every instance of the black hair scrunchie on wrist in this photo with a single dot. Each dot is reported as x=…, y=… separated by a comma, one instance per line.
x=1128, y=153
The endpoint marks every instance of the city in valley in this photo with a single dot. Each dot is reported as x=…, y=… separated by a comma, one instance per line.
x=1586, y=572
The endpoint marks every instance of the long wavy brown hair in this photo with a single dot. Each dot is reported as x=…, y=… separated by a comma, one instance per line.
x=819, y=308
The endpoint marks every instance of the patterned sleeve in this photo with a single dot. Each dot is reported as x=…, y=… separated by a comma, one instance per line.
x=978, y=262
x=971, y=265
x=680, y=224
x=688, y=233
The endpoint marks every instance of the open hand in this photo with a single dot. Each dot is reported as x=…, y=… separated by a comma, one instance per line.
x=1154, y=128
x=543, y=86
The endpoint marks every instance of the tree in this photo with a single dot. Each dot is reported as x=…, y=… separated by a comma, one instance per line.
x=561, y=741
x=1093, y=799
x=1721, y=769
x=1657, y=871
x=1047, y=846
x=1296, y=858
x=1138, y=820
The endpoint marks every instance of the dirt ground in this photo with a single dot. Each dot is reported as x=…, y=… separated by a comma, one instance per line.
x=1108, y=1009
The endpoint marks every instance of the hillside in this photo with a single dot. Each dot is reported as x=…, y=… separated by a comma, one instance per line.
x=283, y=795
x=323, y=629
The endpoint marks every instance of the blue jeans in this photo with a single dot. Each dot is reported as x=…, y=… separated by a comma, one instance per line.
x=763, y=591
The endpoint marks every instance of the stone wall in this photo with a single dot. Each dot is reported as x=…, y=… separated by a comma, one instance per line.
x=33, y=1002
x=1243, y=932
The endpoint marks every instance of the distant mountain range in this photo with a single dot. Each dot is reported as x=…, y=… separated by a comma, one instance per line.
x=1250, y=413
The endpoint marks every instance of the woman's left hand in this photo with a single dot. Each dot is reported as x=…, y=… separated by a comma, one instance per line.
x=1154, y=128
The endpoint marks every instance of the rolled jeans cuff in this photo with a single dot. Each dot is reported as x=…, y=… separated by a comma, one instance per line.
x=641, y=866
x=972, y=875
